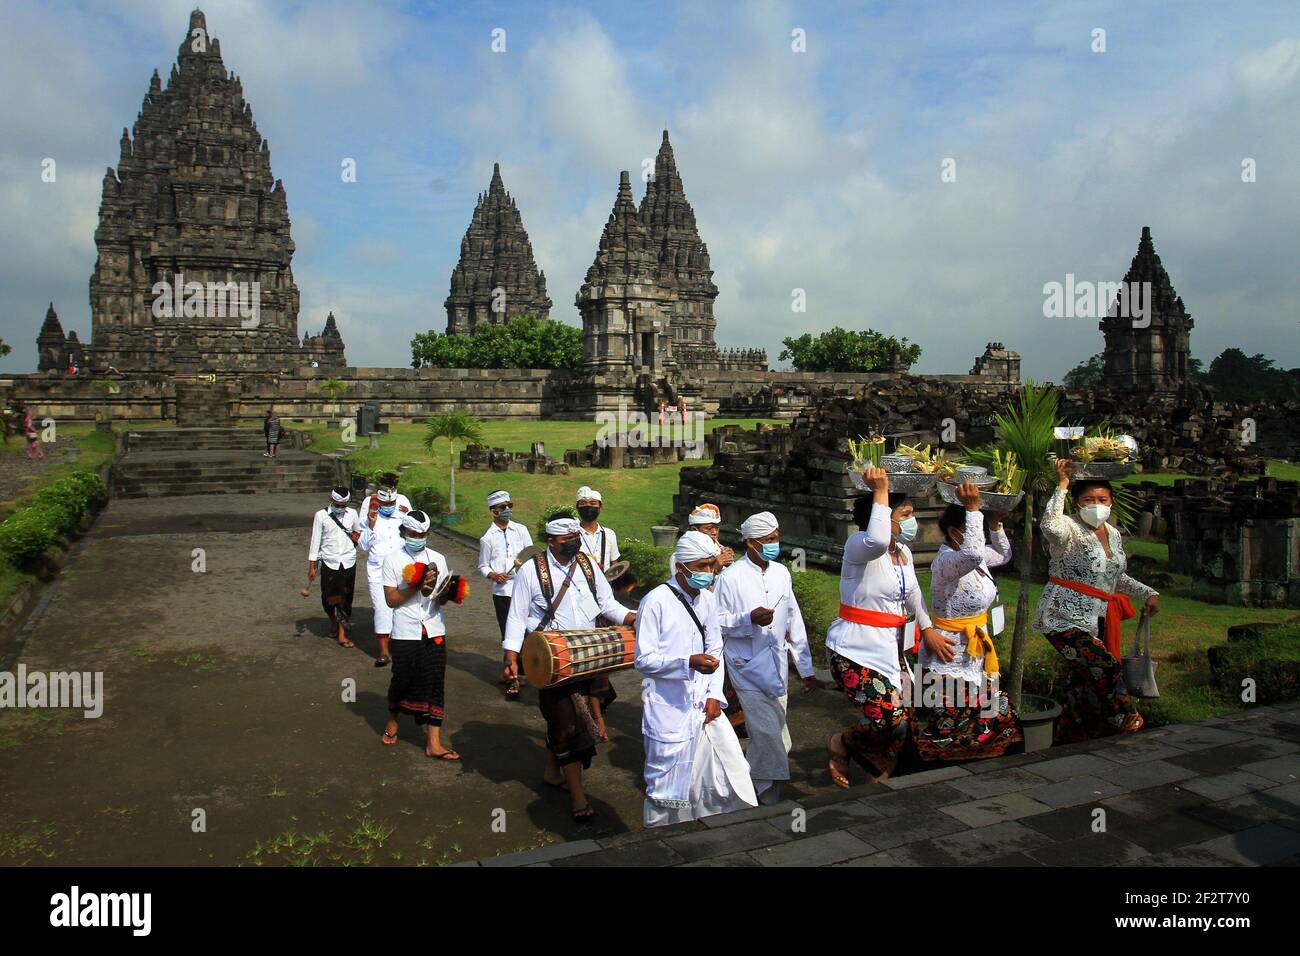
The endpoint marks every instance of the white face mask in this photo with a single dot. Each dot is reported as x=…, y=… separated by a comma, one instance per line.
x=1094, y=515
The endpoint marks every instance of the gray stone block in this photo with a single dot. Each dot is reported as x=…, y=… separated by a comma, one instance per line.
x=750, y=813
x=908, y=781
x=1187, y=737
x=821, y=850
x=731, y=859
x=1008, y=806
x=1063, y=768
x=720, y=841
x=1152, y=773
x=1140, y=752
x=1258, y=846
x=555, y=851
x=896, y=831
x=1225, y=786
x=915, y=801
x=639, y=854
x=995, y=784
x=990, y=842
x=1098, y=849
x=922, y=853
x=1072, y=792
x=1154, y=801
x=1284, y=769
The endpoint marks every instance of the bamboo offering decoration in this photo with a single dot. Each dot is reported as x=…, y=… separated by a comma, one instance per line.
x=1010, y=476
x=930, y=461
x=866, y=452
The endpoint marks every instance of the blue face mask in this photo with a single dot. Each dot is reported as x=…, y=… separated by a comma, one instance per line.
x=771, y=551
x=906, y=530
x=338, y=509
x=415, y=545
x=701, y=579
x=387, y=510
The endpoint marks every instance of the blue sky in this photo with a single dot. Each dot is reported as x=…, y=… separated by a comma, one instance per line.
x=816, y=170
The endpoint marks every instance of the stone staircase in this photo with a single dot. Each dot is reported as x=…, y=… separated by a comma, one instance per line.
x=166, y=462
x=204, y=403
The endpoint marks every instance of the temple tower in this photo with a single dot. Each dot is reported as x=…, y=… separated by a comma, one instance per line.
x=193, y=195
x=1148, y=355
x=683, y=261
x=496, y=278
x=626, y=313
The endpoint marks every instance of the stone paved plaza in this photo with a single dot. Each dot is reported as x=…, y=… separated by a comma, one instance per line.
x=1219, y=792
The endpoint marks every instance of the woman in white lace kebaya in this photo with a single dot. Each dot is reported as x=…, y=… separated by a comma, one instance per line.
x=1086, y=599
x=963, y=715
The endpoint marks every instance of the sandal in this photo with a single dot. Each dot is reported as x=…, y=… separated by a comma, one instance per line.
x=512, y=691
x=346, y=643
x=445, y=755
x=838, y=777
x=389, y=739
x=584, y=814
x=383, y=661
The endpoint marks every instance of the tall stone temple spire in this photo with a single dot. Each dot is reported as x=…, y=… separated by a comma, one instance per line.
x=193, y=195
x=626, y=314
x=683, y=260
x=496, y=278
x=51, y=343
x=1149, y=357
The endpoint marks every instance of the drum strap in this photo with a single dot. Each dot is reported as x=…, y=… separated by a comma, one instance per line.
x=689, y=610
x=544, y=578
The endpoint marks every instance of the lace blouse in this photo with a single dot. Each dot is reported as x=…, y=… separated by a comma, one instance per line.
x=1076, y=554
x=961, y=586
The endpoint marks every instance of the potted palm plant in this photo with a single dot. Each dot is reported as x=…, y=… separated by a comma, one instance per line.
x=455, y=427
x=1028, y=431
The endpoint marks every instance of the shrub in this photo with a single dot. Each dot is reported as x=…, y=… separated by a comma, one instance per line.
x=550, y=514
x=58, y=510
x=428, y=498
x=647, y=563
x=25, y=535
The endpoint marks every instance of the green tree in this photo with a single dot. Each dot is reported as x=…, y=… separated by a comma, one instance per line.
x=523, y=342
x=845, y=350
x=454, y=426
x=1087, y=374
x=5, y=348
x=1238, y=377
x=333, y=386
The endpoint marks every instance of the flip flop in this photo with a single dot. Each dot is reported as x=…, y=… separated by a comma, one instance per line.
x=512, y=692
x=445, y=755
x=345, y=644
x=383, y=661
x=584, y=814
x=838, y=777
x=389, y=740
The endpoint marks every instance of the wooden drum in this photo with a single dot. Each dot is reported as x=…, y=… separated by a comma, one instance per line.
x=553, y=657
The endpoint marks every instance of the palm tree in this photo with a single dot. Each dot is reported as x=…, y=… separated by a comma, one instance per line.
x=1028, y=432
x=333, y=386
x=454, y=426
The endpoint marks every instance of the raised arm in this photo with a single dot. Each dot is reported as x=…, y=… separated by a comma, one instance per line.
x=863, y=547
x=1058, y=530
x=998, y=551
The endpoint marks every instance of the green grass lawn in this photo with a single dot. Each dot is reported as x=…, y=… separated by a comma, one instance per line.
x=635, y=498
x=1277, y=468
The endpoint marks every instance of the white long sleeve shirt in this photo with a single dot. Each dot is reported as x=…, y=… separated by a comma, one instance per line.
x=497, y=550
x=419, y=610
x=869, y=579
x=403, y=504
x=331, y=545
x=758, y=657
x=666, y=639
x=579, y=609
x=961, y=585
x=1075, y=554
x=381, y=540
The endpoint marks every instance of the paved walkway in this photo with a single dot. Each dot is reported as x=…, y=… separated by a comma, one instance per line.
x=1220, y=792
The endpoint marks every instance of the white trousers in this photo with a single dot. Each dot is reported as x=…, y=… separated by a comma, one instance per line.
x=383, y=613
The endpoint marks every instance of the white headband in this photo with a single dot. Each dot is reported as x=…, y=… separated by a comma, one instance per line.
x=694, y=545
x=759, y=525
x=338, y=498
x=497, y=498
x=589, y=494
x=562, y=526
x=386, y=495
x=705, y=514
x=411, y=523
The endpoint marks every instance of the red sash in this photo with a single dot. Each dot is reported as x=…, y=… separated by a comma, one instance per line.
x=862, y=615
x=1118, y=610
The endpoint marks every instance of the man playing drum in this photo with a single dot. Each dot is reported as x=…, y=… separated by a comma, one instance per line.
x=561, y=589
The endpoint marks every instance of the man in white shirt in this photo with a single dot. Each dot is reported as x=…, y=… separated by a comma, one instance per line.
x=333, y=553
x=693, y=763
x=598, y=542
x=387, y=480
x=416, y=582
x=498, y=552
x=761, y=625
x=561, y=589
x=381, y=535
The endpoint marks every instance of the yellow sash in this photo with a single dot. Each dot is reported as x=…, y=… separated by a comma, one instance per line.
x=978, y=642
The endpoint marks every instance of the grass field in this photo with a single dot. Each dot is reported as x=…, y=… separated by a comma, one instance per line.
x=634, y=499
x=1276, y=469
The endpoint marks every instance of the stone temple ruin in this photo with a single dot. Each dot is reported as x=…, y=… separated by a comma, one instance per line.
x=193, y=196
